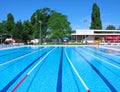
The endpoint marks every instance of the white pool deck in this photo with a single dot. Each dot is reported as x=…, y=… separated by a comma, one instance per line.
x=97, y=46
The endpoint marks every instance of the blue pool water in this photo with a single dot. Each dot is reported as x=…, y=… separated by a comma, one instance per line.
x=59, y=69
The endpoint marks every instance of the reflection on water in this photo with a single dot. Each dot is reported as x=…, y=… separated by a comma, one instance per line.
x=105, y=50
x=112, y=51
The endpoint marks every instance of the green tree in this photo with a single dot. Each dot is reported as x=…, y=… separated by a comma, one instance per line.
x=59, y=26
x=3, y=27
x=39, y=21
x=110, y=27
x=95, y=18
x=18, y=31
x=3, y=30
x=27, y=31
x=10, y=23
x=41, y=24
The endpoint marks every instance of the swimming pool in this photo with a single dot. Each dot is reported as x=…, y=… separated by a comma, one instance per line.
x=59, y=69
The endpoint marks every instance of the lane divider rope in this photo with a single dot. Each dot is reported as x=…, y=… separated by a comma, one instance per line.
x=103, y=55
x=18, y=58
x=102, y=60
x=78, y=75
x=13, y=90
x=21, y=81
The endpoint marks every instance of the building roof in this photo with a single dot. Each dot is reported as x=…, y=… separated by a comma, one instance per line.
x=96, y=32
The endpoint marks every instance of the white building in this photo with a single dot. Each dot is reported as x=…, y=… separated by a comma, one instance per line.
x=97, y=36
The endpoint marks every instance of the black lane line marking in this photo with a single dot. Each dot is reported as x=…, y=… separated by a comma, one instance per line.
x=74, y=76
x=99, y=73
x=42, y=63
x=16, y=51
x=15, y=78
x=105, y=57
x=15, y=58
x=59, y=82
x=111, y=71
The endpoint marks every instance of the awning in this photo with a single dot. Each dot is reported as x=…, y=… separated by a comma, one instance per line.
x=112, y=37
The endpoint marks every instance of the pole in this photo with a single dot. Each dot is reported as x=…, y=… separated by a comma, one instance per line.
x=1, y=39
x=40, y=32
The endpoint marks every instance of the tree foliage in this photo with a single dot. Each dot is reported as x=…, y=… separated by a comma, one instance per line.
x=43, y=22
x=3, y=27
x=53, y=25
x=95, y=18
x=27, y=31
x=10, y=23
x=58, y=26
x=39, y=21
x=18, y=31
x=110, y=27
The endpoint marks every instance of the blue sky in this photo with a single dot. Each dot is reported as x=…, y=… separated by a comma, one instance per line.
x=78, y=11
